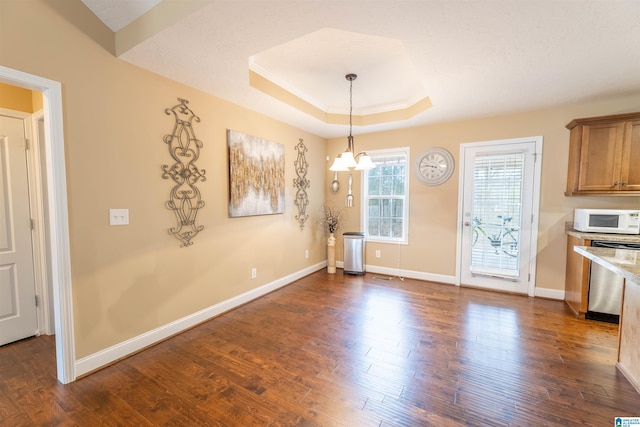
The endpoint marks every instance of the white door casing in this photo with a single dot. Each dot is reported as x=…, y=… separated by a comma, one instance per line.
x=518, y=278
x=18, y=318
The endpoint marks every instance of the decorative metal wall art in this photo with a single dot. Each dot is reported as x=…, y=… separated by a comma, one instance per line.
x=184, y=148
x=301, y=183
x=256, y=175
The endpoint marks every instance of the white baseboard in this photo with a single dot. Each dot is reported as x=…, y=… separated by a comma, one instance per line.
x=549, y=293
x=409, y=274
x=442, y=278
x=116, y=352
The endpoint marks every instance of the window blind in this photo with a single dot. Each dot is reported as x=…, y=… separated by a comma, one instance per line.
x=497, y=207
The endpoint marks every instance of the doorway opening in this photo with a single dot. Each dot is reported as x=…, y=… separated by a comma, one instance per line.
x=55, y=205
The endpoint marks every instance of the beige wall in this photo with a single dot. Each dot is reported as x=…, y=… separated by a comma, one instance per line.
x=131, y=279
x=433, y=210
x=19, y=99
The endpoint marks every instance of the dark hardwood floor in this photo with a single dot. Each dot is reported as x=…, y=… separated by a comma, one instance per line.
x=334, y=350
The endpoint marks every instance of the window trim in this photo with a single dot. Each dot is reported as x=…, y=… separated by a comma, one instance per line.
x=406, y=151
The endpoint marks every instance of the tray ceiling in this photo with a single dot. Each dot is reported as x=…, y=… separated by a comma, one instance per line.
x=418, y=62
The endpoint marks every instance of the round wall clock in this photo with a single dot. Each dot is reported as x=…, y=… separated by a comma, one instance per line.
x=434, y=166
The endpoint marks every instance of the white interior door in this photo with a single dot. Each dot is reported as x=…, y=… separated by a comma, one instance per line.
x=17, y=288
x=499, y=207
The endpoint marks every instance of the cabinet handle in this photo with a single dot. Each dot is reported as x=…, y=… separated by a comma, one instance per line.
x=623, y=183
x=616, y=183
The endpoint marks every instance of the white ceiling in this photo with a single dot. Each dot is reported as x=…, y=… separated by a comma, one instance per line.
x=471, y=58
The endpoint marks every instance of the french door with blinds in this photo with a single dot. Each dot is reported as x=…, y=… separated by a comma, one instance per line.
x=499, y=192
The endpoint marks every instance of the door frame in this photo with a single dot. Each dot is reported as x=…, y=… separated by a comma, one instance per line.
x=535, y=205
x=57, y=208
x=37, y=179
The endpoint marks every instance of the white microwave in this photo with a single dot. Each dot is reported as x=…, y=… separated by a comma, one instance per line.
x=618, y=221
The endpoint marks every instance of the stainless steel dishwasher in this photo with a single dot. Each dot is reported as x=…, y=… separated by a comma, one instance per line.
x=605, y=287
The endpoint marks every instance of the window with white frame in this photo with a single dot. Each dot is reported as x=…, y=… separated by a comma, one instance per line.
x=385, y=215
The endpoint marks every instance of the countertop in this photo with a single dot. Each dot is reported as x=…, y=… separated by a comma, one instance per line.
x=624, y=262
x=629, y=238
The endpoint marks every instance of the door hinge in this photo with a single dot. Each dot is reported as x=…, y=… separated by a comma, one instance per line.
x=529, y=277
x=33, y=224
x=26, y=144
x=37, y=301
x=531, y=218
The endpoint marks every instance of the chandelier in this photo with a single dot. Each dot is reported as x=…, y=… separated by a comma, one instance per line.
x=347, y=159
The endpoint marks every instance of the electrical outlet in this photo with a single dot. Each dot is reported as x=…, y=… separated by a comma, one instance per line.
x=254, y=273
x=378, y=253
x=118, y=216
x=306, y=253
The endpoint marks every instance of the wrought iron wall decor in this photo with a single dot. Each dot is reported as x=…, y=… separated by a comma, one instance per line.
x=184, y=199
x=301, y=183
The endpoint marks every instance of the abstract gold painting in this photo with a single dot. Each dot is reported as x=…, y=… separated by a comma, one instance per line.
x=256, y=175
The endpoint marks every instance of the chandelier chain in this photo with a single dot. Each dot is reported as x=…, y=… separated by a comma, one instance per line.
x=350, y=105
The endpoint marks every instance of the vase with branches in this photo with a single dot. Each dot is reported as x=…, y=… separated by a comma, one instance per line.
x=331, y=219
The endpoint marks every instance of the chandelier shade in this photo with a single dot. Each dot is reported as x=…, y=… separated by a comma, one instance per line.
x=338, y=165
x=365, y=163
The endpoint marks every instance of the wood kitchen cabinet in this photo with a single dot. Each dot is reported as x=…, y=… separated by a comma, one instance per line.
x=576, y=285
x=604, y=154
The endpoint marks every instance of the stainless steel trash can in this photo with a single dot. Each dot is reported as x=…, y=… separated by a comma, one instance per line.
x=353, y=252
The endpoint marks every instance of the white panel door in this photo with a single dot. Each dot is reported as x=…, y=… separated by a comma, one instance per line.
x=17, y=287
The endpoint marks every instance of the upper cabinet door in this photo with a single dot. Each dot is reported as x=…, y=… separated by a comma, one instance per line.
x=631, y=156
x=600, y=157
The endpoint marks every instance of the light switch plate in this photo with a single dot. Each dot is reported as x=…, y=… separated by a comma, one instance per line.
x=118, y=216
